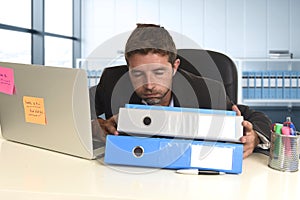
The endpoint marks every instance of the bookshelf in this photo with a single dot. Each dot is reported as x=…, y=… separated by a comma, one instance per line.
x=269, y=81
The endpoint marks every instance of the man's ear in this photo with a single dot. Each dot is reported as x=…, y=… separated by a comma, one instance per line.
x=175, y=66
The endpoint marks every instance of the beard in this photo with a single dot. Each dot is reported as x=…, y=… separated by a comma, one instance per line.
x=153, y=101
x=156, y=100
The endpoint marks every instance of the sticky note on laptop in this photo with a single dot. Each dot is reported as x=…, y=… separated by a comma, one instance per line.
x=34, y=110
x=7, y=82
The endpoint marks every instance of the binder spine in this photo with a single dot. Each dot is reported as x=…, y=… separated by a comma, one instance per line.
x=272, y=90
x=294, y=85
x=287, y=85
x=265, y=85
x=251, y=88
x=245, y=85
x=279, y=85
x=258, y=85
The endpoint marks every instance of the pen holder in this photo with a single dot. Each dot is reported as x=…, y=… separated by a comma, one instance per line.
x=284, y=152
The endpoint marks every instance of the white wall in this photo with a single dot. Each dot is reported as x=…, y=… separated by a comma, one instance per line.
x=239, y=28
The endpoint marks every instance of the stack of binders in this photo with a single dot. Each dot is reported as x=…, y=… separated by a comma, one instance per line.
x=177, y=138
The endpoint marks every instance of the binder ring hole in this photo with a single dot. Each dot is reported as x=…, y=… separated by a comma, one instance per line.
x=147, y=121
x=138, y=151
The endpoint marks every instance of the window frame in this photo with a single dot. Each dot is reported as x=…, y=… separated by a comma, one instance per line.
x=38, y=33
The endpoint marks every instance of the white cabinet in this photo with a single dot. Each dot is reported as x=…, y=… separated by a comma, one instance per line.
x=269, y=82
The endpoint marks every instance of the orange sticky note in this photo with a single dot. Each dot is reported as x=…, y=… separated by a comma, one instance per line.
x=34, y=110
x=7, y=81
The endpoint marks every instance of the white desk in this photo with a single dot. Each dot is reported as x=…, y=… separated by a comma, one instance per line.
x=32, y=173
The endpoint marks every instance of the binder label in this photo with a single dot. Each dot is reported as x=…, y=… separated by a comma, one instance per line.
x=212, y=157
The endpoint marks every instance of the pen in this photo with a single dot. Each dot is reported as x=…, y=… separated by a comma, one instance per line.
x=290, y=124
x=198, y=172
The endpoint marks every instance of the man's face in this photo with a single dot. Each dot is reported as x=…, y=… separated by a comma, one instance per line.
x=151, y=77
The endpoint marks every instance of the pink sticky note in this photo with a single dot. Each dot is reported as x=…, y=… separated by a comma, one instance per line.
x=7, y=81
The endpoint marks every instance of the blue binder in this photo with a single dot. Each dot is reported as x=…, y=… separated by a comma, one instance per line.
x=294, y=84
x=265, y=85
x=273, y=87
x=279, y=85
x=258, y=85
x=251, y=85
x=245, y=85
x=174, y=153
x=287, y=85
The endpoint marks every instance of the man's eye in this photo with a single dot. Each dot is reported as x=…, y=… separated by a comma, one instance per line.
x=159, y=72
x=136, y=74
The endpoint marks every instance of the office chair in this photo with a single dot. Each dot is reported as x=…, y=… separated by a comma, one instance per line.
x=206, y=63
x=92, y=92
x=212, y=65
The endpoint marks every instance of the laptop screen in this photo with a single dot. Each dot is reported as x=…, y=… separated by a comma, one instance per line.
x=46, y=107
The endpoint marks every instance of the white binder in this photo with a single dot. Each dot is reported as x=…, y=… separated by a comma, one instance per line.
x=212, y=125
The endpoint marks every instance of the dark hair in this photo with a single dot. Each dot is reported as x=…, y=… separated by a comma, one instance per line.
x=150, y=38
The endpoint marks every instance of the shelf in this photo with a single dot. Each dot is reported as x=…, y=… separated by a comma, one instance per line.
x=258, y=65
x=267, y=59
x=272, y=102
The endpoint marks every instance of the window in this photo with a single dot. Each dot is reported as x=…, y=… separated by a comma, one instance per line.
x=58, y=17
x=16, y=13
x=58, y=52
x=44, y=32
x=15, y=46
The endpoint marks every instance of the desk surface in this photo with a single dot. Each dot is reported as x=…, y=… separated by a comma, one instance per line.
x=32, y=173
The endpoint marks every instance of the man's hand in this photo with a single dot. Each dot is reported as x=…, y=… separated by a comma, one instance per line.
x=250, y=138
x=108, y=126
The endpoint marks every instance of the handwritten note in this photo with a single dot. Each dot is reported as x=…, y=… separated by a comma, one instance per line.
x=7, y=82
x=34, y=110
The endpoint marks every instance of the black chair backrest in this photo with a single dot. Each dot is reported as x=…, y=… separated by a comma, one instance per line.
x=212, y=65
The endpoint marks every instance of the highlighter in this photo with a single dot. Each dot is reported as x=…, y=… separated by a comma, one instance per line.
x=285, y=130
x=277, y=128
x=277, y=142
x=286, y=140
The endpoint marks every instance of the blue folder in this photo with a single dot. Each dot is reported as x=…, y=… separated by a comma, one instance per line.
x=174, y=153
x=287, y=85
x=251, y=85
x=245, y=84
x=265, y=85
x=258, y=85
x=182, y=109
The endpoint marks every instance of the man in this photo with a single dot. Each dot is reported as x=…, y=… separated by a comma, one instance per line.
x=153, y=77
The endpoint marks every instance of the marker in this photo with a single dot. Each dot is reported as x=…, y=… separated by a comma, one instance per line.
x=286, y=141
x=277, y=142
x=290, y=124
x=293, y=129
x=198, y=172
x=278, y=128
x=286, y=130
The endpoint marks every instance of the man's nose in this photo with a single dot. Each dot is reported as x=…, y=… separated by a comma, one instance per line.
x=149, y=82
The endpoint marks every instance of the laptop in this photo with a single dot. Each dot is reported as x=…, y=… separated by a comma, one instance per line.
x=49, y=108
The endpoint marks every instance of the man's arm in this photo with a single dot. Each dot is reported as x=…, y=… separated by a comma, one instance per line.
x=255, y=134
x=108, y=126
x=261, y=123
